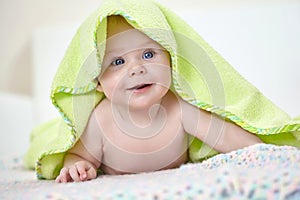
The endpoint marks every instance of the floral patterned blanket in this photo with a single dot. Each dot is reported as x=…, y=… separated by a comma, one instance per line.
x=261, y=171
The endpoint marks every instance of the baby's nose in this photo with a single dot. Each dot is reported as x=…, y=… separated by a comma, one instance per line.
x=136, y=71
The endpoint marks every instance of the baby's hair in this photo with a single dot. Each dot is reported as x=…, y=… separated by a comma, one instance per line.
x=116, y=19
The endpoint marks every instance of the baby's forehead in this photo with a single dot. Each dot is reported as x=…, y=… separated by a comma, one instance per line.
x=128, y=41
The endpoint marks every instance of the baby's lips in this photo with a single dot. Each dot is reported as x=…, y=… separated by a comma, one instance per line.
x=140, y=86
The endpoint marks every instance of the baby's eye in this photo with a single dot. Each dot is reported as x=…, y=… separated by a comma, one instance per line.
x=118, y=61
x=148, y=55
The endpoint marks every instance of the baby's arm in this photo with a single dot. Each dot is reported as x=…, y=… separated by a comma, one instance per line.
x=221, y=135
x=84, y=158
x=78, y=165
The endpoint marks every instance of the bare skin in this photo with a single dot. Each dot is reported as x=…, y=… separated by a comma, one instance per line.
x=141, y=126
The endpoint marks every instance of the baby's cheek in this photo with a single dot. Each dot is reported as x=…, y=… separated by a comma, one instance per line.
x=111, y=83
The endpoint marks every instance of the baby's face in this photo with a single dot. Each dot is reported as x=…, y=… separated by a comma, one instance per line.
x=135, y=69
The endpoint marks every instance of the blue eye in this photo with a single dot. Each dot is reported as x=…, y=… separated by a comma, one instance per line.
x=118, y=61
x=148, y=55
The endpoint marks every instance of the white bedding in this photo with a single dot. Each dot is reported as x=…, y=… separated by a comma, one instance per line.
x=257, y=172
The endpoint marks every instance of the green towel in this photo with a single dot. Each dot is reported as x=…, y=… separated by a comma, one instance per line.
x=199, y=75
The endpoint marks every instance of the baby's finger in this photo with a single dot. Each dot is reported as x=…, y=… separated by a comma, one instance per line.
x=63, y=176
x=74, y=174
x=91, y=173
x=82, y=172
x=58, y=179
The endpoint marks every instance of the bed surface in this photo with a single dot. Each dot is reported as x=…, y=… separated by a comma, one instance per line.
x=258, y=172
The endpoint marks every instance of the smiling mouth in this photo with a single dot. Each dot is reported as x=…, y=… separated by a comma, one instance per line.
x=140, y=86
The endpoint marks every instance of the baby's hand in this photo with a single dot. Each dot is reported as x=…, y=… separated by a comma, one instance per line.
x=80, y=171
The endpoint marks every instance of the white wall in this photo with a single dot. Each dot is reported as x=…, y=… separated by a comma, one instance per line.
x=262, y=42
x=19, y=19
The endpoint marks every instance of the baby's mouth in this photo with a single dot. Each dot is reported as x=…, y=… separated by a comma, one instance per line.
x=140, y=86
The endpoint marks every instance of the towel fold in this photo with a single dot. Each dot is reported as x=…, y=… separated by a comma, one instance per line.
x=200, y=76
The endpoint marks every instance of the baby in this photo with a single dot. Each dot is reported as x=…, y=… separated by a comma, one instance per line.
x=141, y=125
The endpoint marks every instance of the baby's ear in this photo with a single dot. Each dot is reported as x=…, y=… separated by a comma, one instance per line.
x=99, y=88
